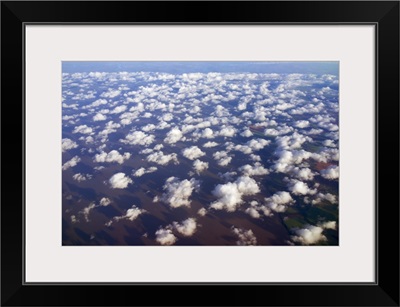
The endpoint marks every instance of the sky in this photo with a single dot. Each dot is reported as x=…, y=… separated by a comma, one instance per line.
x=200, y=153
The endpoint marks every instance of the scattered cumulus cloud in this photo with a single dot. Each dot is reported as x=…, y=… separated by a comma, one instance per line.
x=187, y=227
x=244, y=237
x=177, y=192
x=112, y=156
x=302, y=124
x=138, y=138
x=173, y=136
x=298, y=187
x=311, y=234
x=331, y=173
x=165, y=237
x=222, y=158
x=279, y=201
x=86, y=211
x=118, y=109
x=227, y=131
x=253, y=170
x=202, y=211
x=308, y=235
x=81, y=177
x=199, y=166
x=210, y=144
x=99, y=117
x=104, y=202
x=230, y=195
x=83, y=129
x=131, y=214
x=162, y=159
x=68, y=144
x=71, y=163
x=193, y=153
x=246, y=133
x=141, y=171
x=119, y=181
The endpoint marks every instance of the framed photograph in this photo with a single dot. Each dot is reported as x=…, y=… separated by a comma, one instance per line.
x=246, y=149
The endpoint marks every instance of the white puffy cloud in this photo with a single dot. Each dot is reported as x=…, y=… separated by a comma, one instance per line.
x=302, y=124
x=253, y=212
x=81, y=177
x=202, y=211
x=165, y=237
x=207, y=133
x=227, y=131
x=245, y=237
x=210, y=144
x=187, y=227
x=256, y=170
x=177, y=193
x=287, y=159
x=68, y=144
x=127, y=118
x=119, y=181
x=300, y=188
x=332, y=172
x=146, y=151
x=309, y=235
x=162, y=159
x=71, y=163
x=257, y=144
x=222, y=158
x=228, y=176
x=148, y=127
x=96, y=103
x=321, y=197
x=329, y=143
x=255, y=158
x=302, y=173
x=312, y=234
x=104, y=202
x=199, y=166
x=89, y=139
x=293, y=141
x=167, y=117
x=242, y=106
x=112, y=156
x=314, y=131
x=83, y=129
x=246, y=133
x=141, y=171
x=281, y=130
x=119, y=109
x=86, y=211
x=173, y=136
x=220, y=111
x=147, y=115
x=110, y=127
x=131, y=215
x=158, y=147
x=99, y=117
x=138, y=138
x=230, y=194
x=328, y=225
x=111, y=93
x=193, y=152
x=279, y=201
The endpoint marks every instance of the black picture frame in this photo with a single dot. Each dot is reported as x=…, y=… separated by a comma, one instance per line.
x=383, y=14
